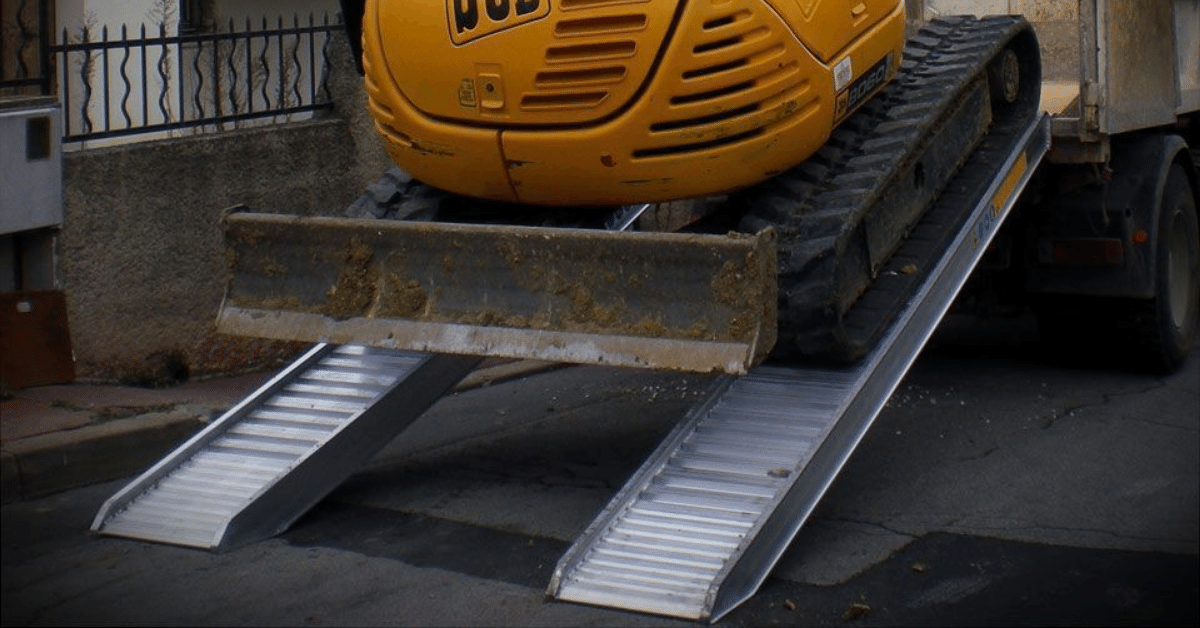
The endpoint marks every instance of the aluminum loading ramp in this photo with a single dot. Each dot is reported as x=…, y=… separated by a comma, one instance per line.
x=266, y=461
x=697, y=529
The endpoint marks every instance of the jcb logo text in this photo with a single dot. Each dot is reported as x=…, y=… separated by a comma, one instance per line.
x=468, y=20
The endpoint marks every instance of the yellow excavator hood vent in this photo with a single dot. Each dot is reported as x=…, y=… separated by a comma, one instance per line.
x=738, y=74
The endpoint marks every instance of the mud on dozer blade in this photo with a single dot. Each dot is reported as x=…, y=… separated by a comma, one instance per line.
x=690, y=302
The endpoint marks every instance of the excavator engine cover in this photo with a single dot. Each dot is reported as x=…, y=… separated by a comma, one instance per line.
x=609, y=102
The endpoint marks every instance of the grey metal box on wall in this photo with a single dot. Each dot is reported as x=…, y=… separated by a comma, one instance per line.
x=31, y=195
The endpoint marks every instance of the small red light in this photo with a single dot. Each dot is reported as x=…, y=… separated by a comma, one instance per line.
x=1140, y=236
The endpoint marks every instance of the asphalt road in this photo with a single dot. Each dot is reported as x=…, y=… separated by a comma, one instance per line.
x=999, y=486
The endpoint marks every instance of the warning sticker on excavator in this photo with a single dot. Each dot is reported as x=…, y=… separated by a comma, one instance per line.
x=842, y=73
x=466, y=93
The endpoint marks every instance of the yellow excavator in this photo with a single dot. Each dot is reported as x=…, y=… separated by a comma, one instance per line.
x=798, y=143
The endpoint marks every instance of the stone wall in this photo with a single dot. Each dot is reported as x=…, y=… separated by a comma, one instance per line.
x=140, y=256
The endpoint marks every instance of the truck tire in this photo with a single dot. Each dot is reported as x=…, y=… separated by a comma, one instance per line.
x=1152, y=335
x=1165, y=327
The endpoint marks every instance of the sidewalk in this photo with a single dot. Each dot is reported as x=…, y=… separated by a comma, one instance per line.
x=54, y=438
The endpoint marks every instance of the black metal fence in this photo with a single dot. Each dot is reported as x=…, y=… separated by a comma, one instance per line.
x=123, y=84
x=25, y=48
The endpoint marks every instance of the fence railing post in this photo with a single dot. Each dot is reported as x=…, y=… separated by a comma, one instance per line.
x=270, y=92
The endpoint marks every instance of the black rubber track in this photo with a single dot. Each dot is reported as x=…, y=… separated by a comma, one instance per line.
x=836, y=295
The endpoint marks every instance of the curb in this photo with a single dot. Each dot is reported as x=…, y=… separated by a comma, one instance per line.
x=49, y=463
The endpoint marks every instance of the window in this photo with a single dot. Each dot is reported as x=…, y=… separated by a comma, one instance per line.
x=195, y=16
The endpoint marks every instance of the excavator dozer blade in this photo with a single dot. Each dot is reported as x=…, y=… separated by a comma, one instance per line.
x=689, y=302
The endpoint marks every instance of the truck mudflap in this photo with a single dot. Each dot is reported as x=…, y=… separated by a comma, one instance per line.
x=689, y=302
